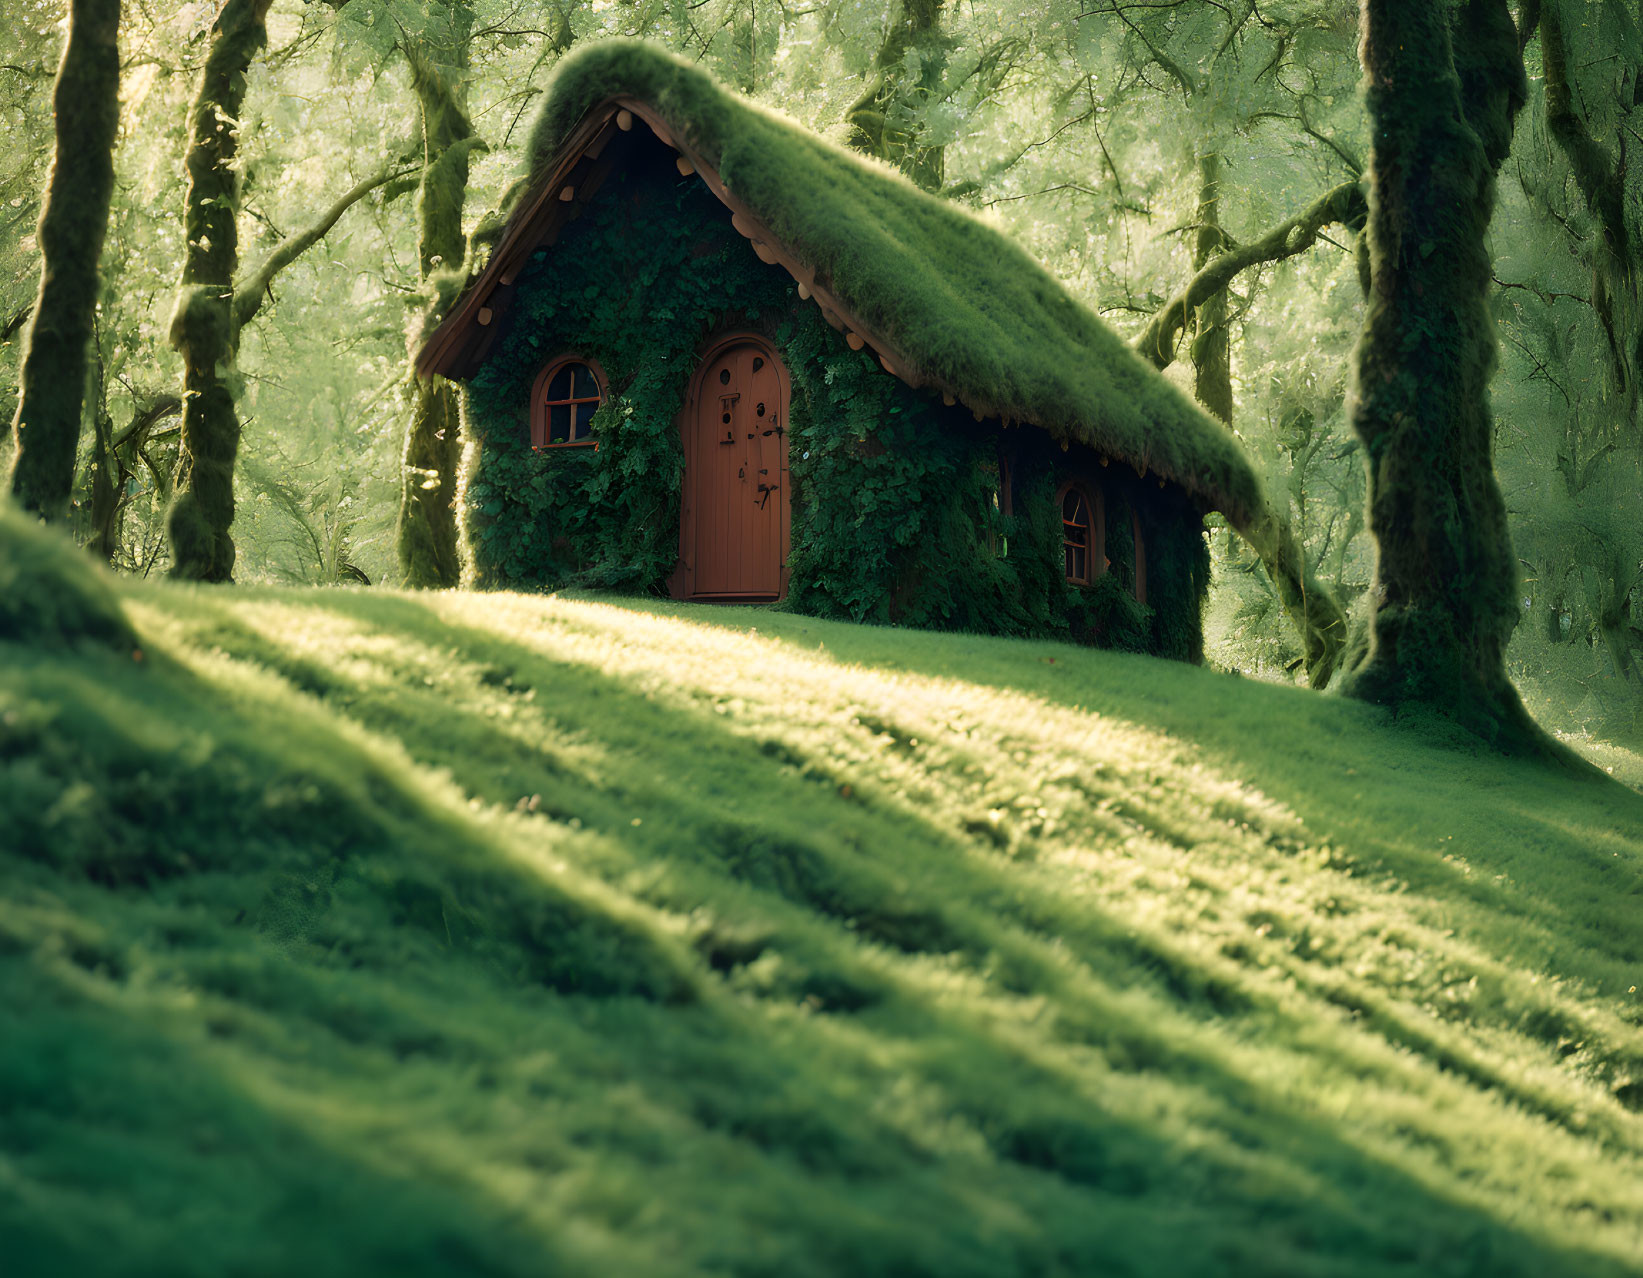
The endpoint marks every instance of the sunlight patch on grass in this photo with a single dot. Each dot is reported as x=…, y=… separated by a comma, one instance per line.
x=680, y=948
x=1624, y=765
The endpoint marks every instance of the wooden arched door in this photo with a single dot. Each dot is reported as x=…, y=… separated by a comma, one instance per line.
x=734, y=535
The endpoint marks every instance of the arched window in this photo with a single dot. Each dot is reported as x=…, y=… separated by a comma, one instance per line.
x=1083, y=534
x=563, y=401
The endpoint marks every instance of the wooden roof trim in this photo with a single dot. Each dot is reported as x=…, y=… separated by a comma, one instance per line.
x=452, y=343
x=770, y=249
x=454, y=346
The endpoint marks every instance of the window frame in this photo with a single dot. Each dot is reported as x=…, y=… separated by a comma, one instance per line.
x=1095, y=551
x=541, y=414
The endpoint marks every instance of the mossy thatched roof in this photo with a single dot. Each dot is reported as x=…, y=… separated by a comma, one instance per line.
x=951, y=302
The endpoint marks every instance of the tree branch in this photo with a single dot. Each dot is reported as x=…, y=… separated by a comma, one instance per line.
x=1189, y=87
x=1345, y=204
x=248, y=297
x=1346, y=157
x=145, y=418
x=16, y=322
x=1595, y=171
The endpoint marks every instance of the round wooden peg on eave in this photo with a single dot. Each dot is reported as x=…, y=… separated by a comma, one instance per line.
x=765, y=253
x=743, y=227
x=485, y=316
x=624, y=120
x=1160, y=483
x=1065, y=445
x=889, y=367
x=685, y=167
x=853, y=341
x=567, y=193
x=804, y=291
x=1106, y=461
x=947, y=399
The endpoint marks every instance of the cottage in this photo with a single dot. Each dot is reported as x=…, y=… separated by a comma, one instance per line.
x=712, y=354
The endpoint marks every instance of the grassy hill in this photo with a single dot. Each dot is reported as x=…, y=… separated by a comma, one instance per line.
x=351, y=933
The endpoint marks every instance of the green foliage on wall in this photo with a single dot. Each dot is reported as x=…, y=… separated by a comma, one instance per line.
x=1106, y=613
x=633, y=285
x=895, y=517
x=894, y=507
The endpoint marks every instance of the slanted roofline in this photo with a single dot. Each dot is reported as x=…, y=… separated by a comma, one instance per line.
x=457, y=348
x=945, y=300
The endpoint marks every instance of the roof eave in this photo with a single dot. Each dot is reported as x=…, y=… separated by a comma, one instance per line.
x=457, y=346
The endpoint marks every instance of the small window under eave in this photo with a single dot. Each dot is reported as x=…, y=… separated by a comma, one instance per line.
x=1083, y=534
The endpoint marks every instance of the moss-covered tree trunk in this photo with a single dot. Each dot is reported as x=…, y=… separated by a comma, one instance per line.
x=1612, y=247
x=1212, y=346
x=105, y=492
x=203, y=331
x=1311, y=607
x=427, y=534
x=114, y=460
x=878, y=119
x=1601, y=178
x=73, y=224
x=1441, y=117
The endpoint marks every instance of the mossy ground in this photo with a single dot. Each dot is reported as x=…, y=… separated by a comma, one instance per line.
x=361, y=932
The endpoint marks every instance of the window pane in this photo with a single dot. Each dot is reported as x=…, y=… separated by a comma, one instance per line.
x=559, y=424
x=1075, y=535
x=586, y=385
x=582, y=416
x=560, y=386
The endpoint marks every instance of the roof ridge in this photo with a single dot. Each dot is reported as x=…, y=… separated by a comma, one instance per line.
x=948, y=299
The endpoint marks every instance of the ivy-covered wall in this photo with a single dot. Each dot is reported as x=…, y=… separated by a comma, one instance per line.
x=894, y=496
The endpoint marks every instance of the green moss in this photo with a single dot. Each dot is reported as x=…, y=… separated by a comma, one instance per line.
x=427, y=535
x=361, y=933
x=202, y=326
x=894, y=515
x=967, y=308
x=73, y=224
x=50, y=593
x=1445, y=577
